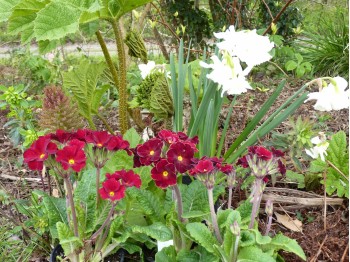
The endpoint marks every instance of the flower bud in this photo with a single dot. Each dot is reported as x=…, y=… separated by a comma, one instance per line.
x=235, y=229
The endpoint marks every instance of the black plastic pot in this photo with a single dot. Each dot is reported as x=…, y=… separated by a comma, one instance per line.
x=56, y=252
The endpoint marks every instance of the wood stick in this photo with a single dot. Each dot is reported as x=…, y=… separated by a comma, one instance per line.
x=16, y=178
x=319, y=250
x=344, y=254
x=308, y=202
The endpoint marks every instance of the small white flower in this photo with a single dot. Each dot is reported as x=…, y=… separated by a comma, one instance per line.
x=228, y=74
x=146, y=69
x=320, y=148
x=247, y=45
x=332, y=97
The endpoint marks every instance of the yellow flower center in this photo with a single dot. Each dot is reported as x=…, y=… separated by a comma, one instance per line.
x=204, y=170
x=165, y=173
x=99, y=145
x=179, y=158
x=71, y=161
x=111, y=194
x=151, y=153
x=42, y=156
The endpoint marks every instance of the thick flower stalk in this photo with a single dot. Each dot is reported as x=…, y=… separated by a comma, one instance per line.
x=205, y=171
x=262, y=163
x=269, y=213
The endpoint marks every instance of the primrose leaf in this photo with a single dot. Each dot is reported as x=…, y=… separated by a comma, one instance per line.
x=253, y=254
x=156, y=231
x=202, y=235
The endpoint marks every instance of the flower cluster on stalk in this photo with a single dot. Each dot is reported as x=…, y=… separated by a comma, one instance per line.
x=66, y=152
x=263, y=162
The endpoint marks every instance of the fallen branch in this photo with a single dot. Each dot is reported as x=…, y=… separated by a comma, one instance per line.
x=306, y=202
x=16, y=178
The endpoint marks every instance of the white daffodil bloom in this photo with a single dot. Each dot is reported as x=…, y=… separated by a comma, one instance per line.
x=332, y=97
x=320, y=148
x=228, y=74
x=247, y=45
x=146, y=69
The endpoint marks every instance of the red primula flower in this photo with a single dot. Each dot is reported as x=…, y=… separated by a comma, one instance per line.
x=263, y=153
x=75, y=142
x=81, y=134
x=168, y=136
x=204, y=166
x=118, y=143
x=277, y=153
x=62, y=136
x=112, y=189
x=71, y=157
x=164, y=174
x=180, y=154
x=38, y=152
x=243, y=162
x=128, y=178
x=281, y=167
x=150, y=151
x=99, y=139
x=226, y=169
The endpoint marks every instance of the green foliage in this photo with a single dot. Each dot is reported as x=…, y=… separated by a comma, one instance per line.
x=202, y=235
x=21, y=118
x=68, y=241
x=337, y=155
x=327, y=46
x=136, y=45
x=156, y=231
x=290, y=18
x=153, y=94
x=82, y=83
x=301, y=68
x=296, y=177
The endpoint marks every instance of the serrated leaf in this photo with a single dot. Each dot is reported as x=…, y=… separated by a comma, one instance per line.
x=253, y=254
x=56, y=210
x=119, y=160
x=102, y=213
x=317, y=166
x=194, y=197
x=161, y=103
x=245, y=209
x=156, y=231
x=55, y=21
x=68, y=241
x=132, y=137
x=202, y=235
x=6, y=7
x=145, y=173
x=117, y=8
x=167, y=254
x=187, y=256
x=46, y=46
x=281, y=242
x=296, y=177
x=84, y=5
x=194, y=214
x=247, y=238
x=82, y=83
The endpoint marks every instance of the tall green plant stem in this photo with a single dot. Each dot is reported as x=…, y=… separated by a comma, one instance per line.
x=98, y=171
x=122, y=77
x=71, y=204
x=105, y=223
x=178, y=202
x=104, y=121
x=256, y=201
x=229, y=203
x=213, y=215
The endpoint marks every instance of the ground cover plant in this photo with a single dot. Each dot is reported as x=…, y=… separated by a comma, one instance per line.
x=237, y=151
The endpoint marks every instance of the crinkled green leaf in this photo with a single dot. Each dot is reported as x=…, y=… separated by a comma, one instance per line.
x=156, y=231
x=68, y=241
x=56, y=210
x=202, y=235
x=84, y=5
x=281, y=242
x=56, y=20
x=167, y=254
x=247, y=238
x=253, y=254
x=245, y=209
x=296, y=177
x=46, y=46
x=117, y=8
x=119, y=160
x=6, y=7
x=132, y=137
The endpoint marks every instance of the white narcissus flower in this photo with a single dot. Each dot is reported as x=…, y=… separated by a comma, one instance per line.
x=247, y=45
x=228, y=74
x=146, y=69
x=332, y=97
x=320, y=148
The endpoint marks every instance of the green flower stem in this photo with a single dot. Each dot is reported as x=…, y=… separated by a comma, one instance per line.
x=123, y=119
x=256, y=202
x=213, y=215
x=229, y=197
x=105, y=223
x=268, y=226
x=98, y=171
x=71, y=204
x=178, y=202
x=235, y=250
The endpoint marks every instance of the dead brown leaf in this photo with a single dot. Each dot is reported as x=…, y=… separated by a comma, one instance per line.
x=292, y=224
